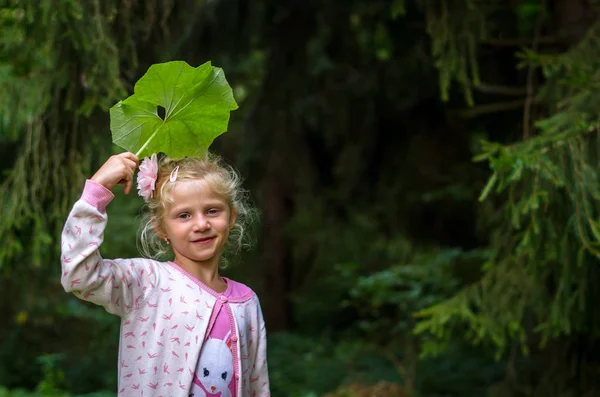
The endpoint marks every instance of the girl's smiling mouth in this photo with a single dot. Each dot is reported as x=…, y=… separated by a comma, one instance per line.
x=203, y=240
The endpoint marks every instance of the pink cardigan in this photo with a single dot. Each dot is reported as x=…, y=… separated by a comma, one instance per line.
x=164, y=311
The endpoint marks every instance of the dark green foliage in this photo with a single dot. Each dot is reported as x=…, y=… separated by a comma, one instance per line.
x=542, y=272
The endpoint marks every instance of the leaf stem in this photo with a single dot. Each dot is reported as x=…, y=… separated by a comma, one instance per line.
x=148, y=141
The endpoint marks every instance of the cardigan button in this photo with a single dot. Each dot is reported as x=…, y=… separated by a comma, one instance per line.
x=223, y=298
x=234, y=339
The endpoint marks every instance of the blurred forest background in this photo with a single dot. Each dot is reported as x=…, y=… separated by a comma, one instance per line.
x=426, y=172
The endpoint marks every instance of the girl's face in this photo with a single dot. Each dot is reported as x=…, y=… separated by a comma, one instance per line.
x=197, y=223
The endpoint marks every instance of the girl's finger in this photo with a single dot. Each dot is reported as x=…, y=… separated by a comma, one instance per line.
x=128, y=186
x=128, y=182
x=130, y=163
x=132, y=157
x=128, y=168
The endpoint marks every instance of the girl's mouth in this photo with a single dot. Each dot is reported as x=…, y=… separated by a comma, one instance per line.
x=203, y=240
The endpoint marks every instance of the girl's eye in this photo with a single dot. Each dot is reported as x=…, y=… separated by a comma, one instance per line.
x=184, y=216
x=212, y=212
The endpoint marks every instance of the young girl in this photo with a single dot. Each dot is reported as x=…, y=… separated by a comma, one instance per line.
x=185, y=330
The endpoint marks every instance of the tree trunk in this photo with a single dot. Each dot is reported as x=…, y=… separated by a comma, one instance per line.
x=292, y=26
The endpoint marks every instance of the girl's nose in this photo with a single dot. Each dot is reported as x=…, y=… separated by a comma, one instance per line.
x=202, y=224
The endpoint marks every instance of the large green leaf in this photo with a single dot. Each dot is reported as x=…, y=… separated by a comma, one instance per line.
x=196, y=101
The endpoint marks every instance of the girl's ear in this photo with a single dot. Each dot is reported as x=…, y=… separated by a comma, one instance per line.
x=158, y=229
x=232, y=218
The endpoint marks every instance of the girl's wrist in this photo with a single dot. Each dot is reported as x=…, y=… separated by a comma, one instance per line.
x=102, y=182
x=97, y=195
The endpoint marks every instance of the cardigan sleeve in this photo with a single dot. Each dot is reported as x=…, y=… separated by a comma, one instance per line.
x=259, y=378
x=119, y=285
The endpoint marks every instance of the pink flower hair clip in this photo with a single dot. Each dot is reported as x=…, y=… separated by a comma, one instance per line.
x=147, y=176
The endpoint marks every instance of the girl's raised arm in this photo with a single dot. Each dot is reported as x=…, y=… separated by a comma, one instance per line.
x=119, y=285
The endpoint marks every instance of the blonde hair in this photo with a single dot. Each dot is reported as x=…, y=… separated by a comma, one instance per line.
x=222, y=178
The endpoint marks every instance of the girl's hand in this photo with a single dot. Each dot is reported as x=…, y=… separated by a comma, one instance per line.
x=117, y=170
